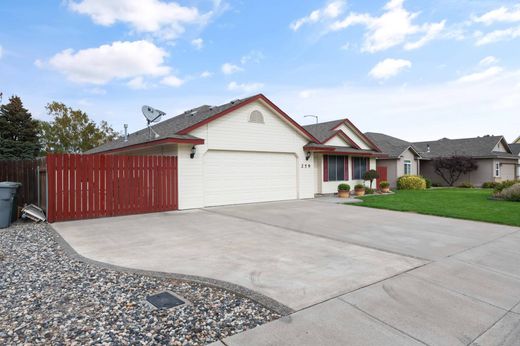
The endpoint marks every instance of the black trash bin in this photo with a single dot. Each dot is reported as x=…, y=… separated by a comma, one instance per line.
x=7, y=195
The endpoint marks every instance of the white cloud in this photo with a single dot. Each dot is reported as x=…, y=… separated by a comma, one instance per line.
x=394, y=27
x=501, y=14
x=97, y=91
x=1, y=52
x=197, y=43
x=330, y=11
x=389, y=68
x=119, y=60
x=137, y=83
x=305, y=94
x=39, y=63
x=497, y=35
x=206, y=74
x=479, y=76
x=254, y=56
x=164, y=19
x=229, y=68
x=172, y=81
x=245, y=87
x=489, y=60
x=449, y=109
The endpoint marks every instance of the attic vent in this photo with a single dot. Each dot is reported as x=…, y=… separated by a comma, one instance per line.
x=256, y=117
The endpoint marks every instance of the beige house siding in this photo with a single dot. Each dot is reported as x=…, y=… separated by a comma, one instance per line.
x=395, y=167
x=484, y=173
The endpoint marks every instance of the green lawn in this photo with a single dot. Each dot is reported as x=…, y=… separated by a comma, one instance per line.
x=471, y=204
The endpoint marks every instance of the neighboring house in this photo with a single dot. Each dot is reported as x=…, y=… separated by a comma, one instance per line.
x=249, y=150
x=517, y=141
x=402, y=158
x=495, y=159
x=515, y=149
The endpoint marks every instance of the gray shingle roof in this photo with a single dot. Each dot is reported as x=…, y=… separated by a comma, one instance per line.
x=477, y=147
x=169, y=128
x=515, y=148
x=349, y=150
x=389, y=145
x=323, y=131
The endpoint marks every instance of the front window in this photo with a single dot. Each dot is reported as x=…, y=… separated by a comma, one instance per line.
x=336, y=168
x=407, y=167
x=497, y=169
x=360, y=166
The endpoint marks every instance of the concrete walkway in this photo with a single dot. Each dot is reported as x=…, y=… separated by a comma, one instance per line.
x=353, y=275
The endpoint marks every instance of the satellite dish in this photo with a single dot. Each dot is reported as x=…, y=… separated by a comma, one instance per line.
x=151, y=114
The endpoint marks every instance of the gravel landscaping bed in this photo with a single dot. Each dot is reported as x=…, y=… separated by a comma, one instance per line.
x=47, y=297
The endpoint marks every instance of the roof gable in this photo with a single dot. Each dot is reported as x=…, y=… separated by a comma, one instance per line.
x=327, y=130
x=392, y=146
x=178, y=128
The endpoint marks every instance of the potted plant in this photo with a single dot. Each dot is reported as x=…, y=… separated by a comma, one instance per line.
x=385, y=186
x=343, y=190
x=359, y=190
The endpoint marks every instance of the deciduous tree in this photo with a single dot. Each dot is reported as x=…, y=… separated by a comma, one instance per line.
x=72, y=131
x=450, y=169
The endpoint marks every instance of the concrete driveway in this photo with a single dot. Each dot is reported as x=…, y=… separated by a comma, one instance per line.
x=352, y=275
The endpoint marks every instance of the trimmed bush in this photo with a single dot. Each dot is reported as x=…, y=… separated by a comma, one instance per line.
x=428, y=182
x=466, y=185
x=384, y=184
x=505, y=184
x=369, y=191
x=343, y=187
x=490, y=185
x=511, y=193
x=411, y=182
x=359, y=187
x=371, y=175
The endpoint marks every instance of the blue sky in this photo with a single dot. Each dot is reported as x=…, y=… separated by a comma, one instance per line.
x=418, y=70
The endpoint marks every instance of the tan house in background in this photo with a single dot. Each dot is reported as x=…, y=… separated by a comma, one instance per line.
x=495, y=159
x=402, y=159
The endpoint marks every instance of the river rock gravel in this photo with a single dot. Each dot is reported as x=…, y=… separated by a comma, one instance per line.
x=49, y=297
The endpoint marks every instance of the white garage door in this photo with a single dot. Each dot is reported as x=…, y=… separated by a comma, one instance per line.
x=247, y=177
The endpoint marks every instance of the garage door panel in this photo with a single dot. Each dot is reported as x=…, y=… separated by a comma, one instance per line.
x=247, y=177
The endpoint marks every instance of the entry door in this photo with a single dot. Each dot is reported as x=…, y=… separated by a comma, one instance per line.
x=233, y=177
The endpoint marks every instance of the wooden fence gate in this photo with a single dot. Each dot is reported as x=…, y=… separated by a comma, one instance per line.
x=90, y=186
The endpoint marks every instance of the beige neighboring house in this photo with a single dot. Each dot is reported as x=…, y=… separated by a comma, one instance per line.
x=495, y=159
x=402, y=158
x=515, y=148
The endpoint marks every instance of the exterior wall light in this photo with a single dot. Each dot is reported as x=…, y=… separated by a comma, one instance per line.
x=193, y=151
x=308, y=156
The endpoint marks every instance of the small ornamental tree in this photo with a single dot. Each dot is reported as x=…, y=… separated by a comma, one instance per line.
x=450, y=169
x=371, y=175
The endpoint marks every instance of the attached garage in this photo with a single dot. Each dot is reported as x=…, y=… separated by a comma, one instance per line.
x=234, y=177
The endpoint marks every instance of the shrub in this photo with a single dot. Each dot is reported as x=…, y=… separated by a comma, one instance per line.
x=359, y=187
x=436, y=185
x=411, y=182
x=511, y=193
x=369, y=191
x=466, y=185
x=450, y=169
x=490, y=185
x=384, y=184
x=428, y=182
x=370, y=176
x=343, y=187
x=505, y=184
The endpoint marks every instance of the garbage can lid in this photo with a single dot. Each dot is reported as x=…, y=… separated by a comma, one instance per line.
x=9, y=184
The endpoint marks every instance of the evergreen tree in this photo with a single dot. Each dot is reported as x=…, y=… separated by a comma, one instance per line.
x=18, y=132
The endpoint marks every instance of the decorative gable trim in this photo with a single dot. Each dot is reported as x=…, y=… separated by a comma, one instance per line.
x=345, y=137
x=367, y=140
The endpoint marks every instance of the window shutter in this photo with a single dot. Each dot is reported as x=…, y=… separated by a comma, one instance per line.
x=346, y=167
x=325, y=168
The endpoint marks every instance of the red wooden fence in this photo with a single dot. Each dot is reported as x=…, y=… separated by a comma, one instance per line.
x=90, y=186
